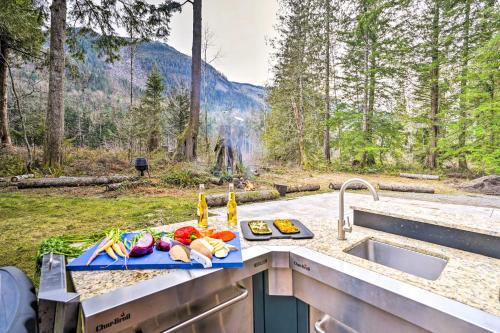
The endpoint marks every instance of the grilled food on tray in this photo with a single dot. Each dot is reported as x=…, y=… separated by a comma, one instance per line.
x=259, y=228
x=286, y=226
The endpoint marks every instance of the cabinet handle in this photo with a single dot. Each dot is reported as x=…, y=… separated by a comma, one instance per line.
x=211, y=311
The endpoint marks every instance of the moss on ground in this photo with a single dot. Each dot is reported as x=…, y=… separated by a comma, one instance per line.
x=26, y=219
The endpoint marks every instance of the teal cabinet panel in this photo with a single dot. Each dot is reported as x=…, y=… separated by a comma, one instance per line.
x=277, y=314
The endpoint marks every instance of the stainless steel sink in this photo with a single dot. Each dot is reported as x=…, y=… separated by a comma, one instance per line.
x=412, y=262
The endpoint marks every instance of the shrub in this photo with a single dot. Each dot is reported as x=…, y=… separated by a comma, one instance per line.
x=11, y=164
x=183, y=177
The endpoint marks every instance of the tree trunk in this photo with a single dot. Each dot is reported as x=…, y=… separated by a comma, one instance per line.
x=55, y=110
x=462, y=161
x=4, y=114
x=368, y=58
x=298, y=111
x=432, y=154
x=21, y=117
x=326, y=138
x=368, y=158
x=191, y=135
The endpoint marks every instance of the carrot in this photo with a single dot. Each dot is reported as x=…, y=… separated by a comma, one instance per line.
x=123, y=248
x=118, y=250
x=109, y=251
x=98, y=250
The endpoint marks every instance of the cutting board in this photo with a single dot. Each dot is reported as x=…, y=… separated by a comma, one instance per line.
x=304, y=233
x=155, y=260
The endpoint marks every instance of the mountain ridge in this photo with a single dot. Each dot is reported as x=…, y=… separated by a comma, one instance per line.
x=217, y=92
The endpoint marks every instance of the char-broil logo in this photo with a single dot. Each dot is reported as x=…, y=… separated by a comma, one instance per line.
x=302, y=265
x=115, y=321
x=260, y=263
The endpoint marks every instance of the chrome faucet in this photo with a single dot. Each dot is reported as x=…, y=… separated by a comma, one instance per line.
x=344, y=225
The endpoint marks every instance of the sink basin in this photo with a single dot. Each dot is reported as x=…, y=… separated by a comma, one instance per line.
x=409, y=261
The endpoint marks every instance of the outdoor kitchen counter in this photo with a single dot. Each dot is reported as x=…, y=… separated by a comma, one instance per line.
x=468, y=278
x=468, y=222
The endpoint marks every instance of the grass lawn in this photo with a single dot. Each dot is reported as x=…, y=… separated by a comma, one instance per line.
x=26, y=219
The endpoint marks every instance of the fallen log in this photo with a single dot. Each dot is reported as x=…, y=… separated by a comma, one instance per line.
x=21, y=177
x=419, y=176
x=125, y=185
x=355, y=186
x=405, y=188
x=460, y=175
x=302, y=188
x=71, y=181
x=218, y=200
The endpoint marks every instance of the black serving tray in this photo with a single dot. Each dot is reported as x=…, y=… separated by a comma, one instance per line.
x=249, y=235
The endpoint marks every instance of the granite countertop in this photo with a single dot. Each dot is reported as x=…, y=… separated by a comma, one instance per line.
x=431, y=215
x=468, y=278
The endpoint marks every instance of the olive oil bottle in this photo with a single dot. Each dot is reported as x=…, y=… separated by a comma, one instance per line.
x=202, y=208
x=232, y=219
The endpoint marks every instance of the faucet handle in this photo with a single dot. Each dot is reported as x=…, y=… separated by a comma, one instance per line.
x=347, y=225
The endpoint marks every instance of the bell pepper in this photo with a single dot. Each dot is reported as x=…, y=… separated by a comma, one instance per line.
x=224, y=235
x=186, y=235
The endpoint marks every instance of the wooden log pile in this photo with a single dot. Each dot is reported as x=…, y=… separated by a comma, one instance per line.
x=218, y=200
x=419, y=176
x=71, y=181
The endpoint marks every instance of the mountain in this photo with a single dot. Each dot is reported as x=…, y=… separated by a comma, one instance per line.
x=217, y=91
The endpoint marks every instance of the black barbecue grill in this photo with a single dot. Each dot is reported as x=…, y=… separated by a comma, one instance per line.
x=141, y=165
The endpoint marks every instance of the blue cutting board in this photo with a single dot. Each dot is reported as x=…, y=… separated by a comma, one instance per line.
x=155, y=260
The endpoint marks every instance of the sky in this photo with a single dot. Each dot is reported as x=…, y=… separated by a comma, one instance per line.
x=240, y=30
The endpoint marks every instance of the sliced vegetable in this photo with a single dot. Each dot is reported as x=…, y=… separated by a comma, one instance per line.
x=186, y=235
x=224, y=235
x=203, y=247
x=180, y=252
x=221, y=249
x=142, y=246
x=164, y=243
x=222, y=253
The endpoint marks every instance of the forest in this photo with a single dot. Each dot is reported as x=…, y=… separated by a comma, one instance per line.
x=384, y=83
x=363, y=85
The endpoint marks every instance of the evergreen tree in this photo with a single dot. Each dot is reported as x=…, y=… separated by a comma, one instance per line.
x=20, y=34
x=145, y=19
x=149, y=113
